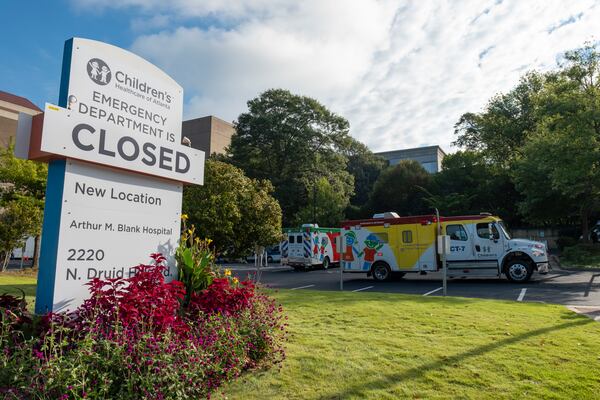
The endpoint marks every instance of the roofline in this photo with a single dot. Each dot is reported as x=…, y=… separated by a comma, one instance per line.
x=310, y=228
x=211, y=117
x=412, y=148
x=416, y=219
x=18, y=100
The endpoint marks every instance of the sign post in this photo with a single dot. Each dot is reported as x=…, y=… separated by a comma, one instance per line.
x=443, y=249
x=338, y=244
x=116, y=171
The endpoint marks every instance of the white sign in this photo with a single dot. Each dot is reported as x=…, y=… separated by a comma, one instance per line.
x=110, y=222
x=119, y=110
x=111, y=85
x=73, y=135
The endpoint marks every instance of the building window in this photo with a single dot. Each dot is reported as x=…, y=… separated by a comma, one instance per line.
x=407, y=236
x=457, y=232
x=431, y=167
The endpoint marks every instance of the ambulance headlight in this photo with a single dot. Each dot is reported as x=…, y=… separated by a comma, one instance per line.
x=538, y=250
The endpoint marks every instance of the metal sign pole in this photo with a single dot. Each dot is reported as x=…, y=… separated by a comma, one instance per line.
x=338, y=245
x=342, y=275
x=445, y=265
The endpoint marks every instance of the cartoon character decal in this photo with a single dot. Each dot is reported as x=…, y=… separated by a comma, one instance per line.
x=315, y=244
x=372, y=245
x=324, y=242
x=95, y=69
x=104, y=74
x=350, y=250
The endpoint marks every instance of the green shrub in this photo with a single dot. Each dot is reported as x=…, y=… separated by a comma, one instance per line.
x=565, y=241
x=581, y=255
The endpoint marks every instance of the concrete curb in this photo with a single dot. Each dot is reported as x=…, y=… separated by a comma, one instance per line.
x=592, y=312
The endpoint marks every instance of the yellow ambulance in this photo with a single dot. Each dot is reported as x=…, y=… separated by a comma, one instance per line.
x=480, y=246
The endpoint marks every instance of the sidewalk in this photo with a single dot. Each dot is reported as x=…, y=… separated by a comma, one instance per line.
x=592, y=312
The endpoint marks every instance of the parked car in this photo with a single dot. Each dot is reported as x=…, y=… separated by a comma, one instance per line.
x=273, y=255
x=594, y=233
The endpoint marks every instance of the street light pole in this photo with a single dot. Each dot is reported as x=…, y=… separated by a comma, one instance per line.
x=314, y=218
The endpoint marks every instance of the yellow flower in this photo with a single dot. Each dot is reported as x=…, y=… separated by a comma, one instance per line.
x=184, y=217
x=227, y=272
x=197, y=240
x=190, y=231
x=235, y=280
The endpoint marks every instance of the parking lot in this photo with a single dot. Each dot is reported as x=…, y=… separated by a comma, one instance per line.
x=577, y=288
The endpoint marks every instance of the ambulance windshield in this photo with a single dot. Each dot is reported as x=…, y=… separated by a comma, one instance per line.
x=504, y=230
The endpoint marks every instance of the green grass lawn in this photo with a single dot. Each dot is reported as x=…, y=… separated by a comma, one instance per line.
x=389, y=346
x=14, y=282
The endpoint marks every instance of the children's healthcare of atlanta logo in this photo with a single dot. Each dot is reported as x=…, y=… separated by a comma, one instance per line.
x=98, y=71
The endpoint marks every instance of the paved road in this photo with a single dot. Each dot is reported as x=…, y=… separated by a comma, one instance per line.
x=580, y=288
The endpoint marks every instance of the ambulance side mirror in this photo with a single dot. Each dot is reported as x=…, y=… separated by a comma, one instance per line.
x=491, y=232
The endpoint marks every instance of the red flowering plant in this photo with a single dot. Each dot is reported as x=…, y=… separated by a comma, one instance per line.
x=135, y=338
x=135, y=305
x=225, y=296
x=144, y=299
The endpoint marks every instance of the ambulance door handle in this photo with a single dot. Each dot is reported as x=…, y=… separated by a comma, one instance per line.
x=477, y=247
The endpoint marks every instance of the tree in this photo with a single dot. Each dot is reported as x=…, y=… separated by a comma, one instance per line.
x=469, y=184
x=545, y=133
x=503, y=127
x=24, y=181
x=564, y=149
x=19, y=218
x=327, y=205
x=401, y=188
x=364, y=166
x=293, y=141
x=237, y=212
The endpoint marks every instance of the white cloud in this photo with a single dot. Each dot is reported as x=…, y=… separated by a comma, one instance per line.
x=401, y=73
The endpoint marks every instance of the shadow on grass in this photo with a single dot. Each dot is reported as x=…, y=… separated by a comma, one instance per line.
x=362, y=388
x=311, y=297
x=16, y=289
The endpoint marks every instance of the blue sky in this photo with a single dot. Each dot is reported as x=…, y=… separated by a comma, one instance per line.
x=402, y=72
x=36, y=32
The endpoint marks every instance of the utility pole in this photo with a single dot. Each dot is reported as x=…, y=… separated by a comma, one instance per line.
x=314, y=218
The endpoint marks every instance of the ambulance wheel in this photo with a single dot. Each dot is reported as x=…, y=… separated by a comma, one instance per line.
x=518, y=270
x=270, y=259
x=326, y=263
x=381, y=271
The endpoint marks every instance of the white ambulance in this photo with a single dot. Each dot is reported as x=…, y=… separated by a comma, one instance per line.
x=480, y=246
x=310, y=246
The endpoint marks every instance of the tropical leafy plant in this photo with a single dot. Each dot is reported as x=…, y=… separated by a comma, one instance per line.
x=195, y=261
